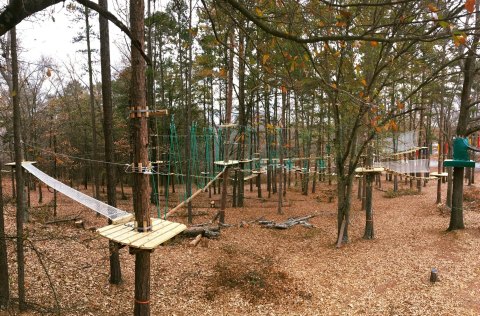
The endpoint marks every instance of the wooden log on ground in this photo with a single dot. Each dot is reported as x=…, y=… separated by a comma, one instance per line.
x=208, y=231
x=289, y=222
x=195, y=242
x=63, y=220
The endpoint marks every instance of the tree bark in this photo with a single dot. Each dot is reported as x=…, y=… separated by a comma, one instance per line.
x=456, y=216
x=228, y=117
x=115, y=268
x=344, y=194
x=20, y=202
x=4, y=279
x=189, y=117
x=141, y=201
x=96, y=186
x=369, y=232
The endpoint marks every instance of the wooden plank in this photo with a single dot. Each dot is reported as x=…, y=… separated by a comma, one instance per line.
x=250, y=177
x=228, y=125
x=12, y=164
x=134, y=235
x=163, y=112
x=369, y=170
x=146, y=237
x=122, y=219
x=106, y=230
x=436, y=174
x=162, y=231
x=163, y=238
x=130, y=236
x=228, y=163
x=112, y=231
x=176, y=208
x=121, y=232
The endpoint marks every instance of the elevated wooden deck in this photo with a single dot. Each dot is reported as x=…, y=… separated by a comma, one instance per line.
x=127, y=235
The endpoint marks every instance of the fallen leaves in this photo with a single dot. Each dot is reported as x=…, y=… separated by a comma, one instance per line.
x=255, y=271
x=470, y=5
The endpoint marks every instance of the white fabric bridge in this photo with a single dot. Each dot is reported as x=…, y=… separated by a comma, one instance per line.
x=406, y=166
x=113, y=213
x=404, y=142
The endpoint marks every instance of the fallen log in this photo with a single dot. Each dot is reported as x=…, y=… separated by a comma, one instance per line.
x=207, y=231
x=247, y=223
x=303, y=220
x=63, y=220
x=195, y=242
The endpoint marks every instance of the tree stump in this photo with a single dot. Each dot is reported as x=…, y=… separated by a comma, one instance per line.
x=434, y=275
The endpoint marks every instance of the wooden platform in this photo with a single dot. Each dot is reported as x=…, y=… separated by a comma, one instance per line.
x=250, y=177
x=228, y=163
x=439, y=175
x=12, y=164
x=369, y=170
x=412, y=150
x=126, y=234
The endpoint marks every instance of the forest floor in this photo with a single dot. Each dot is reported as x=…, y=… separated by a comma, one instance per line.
x=250, y=270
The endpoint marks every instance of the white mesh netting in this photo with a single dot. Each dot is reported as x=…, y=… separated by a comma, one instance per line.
x=93, y=204
x=405, y=141
x=406, y=166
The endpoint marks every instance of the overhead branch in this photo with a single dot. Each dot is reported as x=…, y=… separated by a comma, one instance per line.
x=112, y=18
x=18, y=10
x=472, y=129
x=257, y=20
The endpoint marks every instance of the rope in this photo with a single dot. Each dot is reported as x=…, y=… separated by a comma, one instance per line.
x=74, y=157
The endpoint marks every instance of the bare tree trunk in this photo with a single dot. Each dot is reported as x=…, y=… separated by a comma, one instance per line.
x=369, y=232
x=456, y=217
x=189, y=117
x=440, y=152
x=141, y=203
x=92, y=108
x=115, y=269
x=280, y=152
x=4, y=279
x=228, y=117
x=343, y=208
x=18, y=172
x=154, y=179
x=55, y=174
x=242, y=117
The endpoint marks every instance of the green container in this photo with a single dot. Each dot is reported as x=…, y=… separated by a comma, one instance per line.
x=460, y=155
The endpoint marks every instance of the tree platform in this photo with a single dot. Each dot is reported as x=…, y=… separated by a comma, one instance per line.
x=127, y=234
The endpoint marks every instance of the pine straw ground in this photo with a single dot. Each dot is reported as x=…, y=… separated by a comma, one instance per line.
x=251, y=270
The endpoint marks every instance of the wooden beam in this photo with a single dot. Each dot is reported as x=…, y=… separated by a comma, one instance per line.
x=176, y=208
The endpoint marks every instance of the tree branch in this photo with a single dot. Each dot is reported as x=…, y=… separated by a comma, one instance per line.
x=18, y=10
x=112, y=18
x=314, y=39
